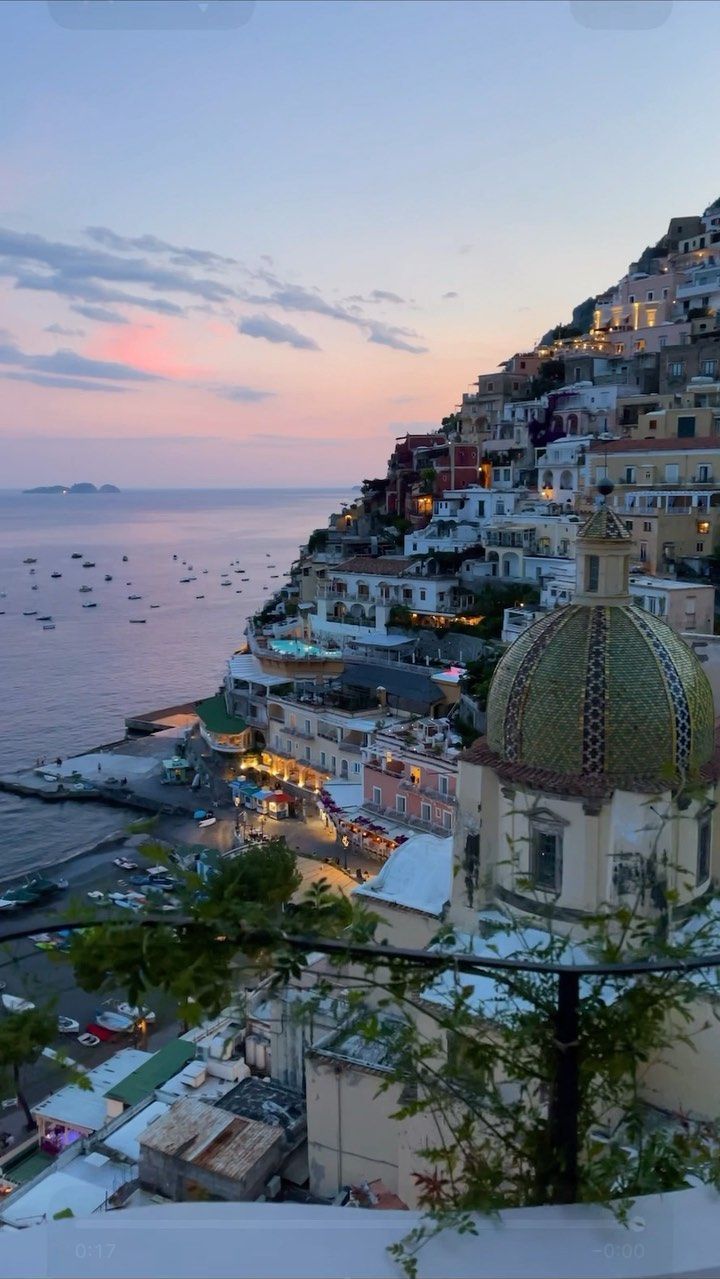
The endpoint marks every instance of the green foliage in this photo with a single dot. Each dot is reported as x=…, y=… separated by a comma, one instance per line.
x=23, y=1036
x=317, y=540
x=474, y=1070
x=478, y=676
x=428, y=476
x=550, y=376
x=493, y=599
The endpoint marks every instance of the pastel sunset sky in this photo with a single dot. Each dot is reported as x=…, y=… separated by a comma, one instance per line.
x=254, y=255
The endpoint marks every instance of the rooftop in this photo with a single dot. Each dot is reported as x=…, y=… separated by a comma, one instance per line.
x=380, y=566
x=142, y=1082
x=705, y=443
x=245, y=666
x=351, y=1045
x=125, y=1137
x=210, y=1138
x=214, y=715
x=416, y=876
x=87, y=1108
x=267, y=1103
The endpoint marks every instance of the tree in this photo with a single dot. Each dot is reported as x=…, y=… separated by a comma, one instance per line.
x=477, y=1049
x=23, y=1035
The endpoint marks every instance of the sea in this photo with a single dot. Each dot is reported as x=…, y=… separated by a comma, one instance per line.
x=69, y=689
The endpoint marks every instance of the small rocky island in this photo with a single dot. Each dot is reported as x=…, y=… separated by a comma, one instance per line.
x=73, y=488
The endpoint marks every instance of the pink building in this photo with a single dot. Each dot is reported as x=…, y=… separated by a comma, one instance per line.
x=410, y=773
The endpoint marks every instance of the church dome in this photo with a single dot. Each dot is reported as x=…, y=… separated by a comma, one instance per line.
x=601, y=691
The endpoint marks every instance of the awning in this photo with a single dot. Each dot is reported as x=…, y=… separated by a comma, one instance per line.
x=214, y=715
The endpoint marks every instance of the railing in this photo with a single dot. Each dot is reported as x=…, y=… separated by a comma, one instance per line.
x=564, y=1017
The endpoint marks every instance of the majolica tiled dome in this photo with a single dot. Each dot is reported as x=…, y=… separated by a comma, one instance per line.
x=602, y=692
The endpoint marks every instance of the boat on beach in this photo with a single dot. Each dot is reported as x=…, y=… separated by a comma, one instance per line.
x=56, y=574
x=90, y=604
x=30, y=560
x=30, y=612
x=88, y=563
x=108, y=577
x=138, y=621
x=76, y=555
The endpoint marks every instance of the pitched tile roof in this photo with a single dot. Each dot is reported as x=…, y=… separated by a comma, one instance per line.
x=604, y=523
x=381, y=565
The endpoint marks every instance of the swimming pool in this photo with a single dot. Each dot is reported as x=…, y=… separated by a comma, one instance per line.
x=299, y=648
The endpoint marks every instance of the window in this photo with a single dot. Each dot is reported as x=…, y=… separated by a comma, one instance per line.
x=631, y=297
x=400, y=803
x=652, y=424
x=308, y=726
x=703, y=526
x=676, y=368
x=447, y=819
x=377, y=795
x=699, y=547
x=643, y=552
x=629, y=475
x=443, y=785
x=665, y=294
x=592, y=572
x=425, y=812
x=704, y=474
x=323, y=759
x=356, y=766
x=546, y=859
x=650, y=295
x=629, y=526
x=307, y=753
x=333, y=761
x=672, y=473
x=708, y=368
x=703, y=850
x=686, y=426
x=423, y=595
x=647, y=526
x=663, y=343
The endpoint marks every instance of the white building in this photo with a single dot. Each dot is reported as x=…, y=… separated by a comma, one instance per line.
x=359, y=596
x=562, y=468
x=458, y=517
x=689, y=607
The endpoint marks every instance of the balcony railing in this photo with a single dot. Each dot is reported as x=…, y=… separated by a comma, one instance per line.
x=417, y=823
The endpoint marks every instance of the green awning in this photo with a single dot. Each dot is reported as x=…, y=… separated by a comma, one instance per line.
x=214, y=715
x=161, y=1067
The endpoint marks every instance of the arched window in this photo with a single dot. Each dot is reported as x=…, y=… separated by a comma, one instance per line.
x=572, y=424
x=566, y=480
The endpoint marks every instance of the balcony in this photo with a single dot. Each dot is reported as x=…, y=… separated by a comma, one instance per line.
x=431, y=792
x=407, y=819
x=294, y=731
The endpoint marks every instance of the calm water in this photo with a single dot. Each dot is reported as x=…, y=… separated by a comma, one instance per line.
x=70, y=689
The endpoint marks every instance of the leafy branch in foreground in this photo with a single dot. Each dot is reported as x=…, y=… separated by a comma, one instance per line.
x=474, y=1057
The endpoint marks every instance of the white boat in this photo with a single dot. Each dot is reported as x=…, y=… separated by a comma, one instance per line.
x=113, y=1021
x=207, y=821
x=16, y=1004
x=137, y=1014
x=68, y=1026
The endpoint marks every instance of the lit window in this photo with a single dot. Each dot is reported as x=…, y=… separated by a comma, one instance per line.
x=703, y=526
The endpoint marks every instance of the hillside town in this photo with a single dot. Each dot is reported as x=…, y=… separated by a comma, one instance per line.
x=463, y=661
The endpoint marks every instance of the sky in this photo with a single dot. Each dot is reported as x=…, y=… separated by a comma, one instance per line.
x=253, y=254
